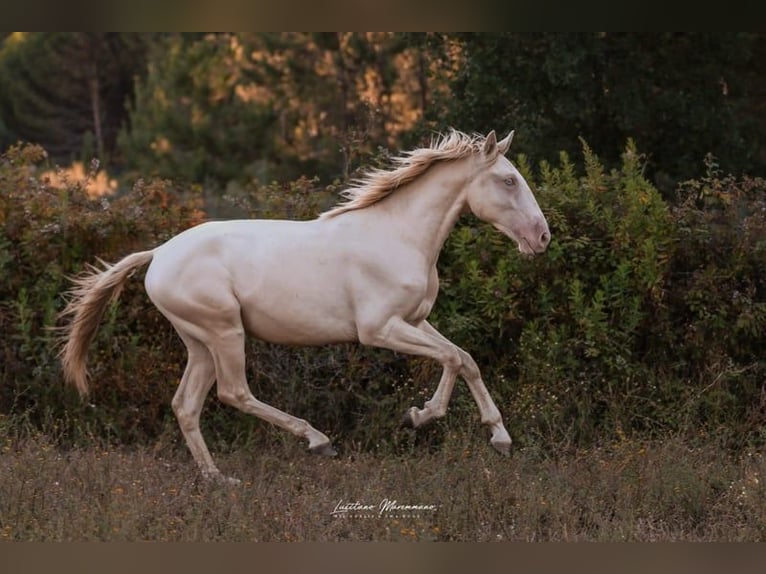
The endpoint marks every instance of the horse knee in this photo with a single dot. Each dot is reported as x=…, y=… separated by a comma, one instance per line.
x=452, y=359
x=233, y=398
x=177, y=405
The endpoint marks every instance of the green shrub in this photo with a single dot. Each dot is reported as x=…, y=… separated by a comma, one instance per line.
x=642, y=318
x=717, y=301
x=49, y=234
x=566, y=334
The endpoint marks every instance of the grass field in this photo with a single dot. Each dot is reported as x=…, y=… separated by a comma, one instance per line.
x=464, y=491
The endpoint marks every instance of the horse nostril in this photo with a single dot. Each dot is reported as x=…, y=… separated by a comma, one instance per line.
x=545, y=237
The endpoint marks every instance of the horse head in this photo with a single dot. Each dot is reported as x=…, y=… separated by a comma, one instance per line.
x=499, y=195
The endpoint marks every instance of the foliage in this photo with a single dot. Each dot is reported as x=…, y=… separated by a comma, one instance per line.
x=188, y=121
x=718, y=295
x=47, y=235
x=67, y=90
x=236, y=107
x=641, y=318
x=679, y=95
x=263, y=107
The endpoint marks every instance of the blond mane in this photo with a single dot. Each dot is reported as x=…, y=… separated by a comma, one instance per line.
x=377, y=184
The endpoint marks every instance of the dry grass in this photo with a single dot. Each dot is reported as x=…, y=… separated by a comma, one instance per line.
x=628, y=491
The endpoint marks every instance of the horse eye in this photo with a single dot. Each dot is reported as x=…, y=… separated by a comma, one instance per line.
x=510, y=181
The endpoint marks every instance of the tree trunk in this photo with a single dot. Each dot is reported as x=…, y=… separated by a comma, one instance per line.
x=95, y=104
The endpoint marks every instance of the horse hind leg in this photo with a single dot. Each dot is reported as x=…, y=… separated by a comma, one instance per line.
x=188, y=401
x=228, y=354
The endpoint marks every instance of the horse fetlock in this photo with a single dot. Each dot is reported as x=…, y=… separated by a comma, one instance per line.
x=434, y=410
x=415, y=417
x=233, y=398
x=492, y=417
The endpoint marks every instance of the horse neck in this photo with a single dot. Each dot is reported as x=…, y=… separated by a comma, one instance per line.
x=425, y=210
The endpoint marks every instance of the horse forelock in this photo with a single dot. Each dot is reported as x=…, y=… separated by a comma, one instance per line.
x=376, y=184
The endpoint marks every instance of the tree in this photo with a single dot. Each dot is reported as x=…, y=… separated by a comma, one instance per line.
x=193, y=118
x=67, y=91
x=260, y=106
x=679, y=96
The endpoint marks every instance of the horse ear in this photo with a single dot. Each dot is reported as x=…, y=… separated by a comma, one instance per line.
x=504, y=145
x=490, y=143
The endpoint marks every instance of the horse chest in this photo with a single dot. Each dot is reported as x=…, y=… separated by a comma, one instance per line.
x=427, y=300
x=422, y=311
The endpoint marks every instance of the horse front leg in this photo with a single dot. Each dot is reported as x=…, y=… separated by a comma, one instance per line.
x=437, y=405
x=426, y=341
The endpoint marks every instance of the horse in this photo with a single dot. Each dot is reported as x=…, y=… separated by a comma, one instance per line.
x=364, y=271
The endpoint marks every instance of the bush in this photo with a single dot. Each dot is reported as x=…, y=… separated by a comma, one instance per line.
x=48, y=234
x=717, y=301
x=641, y=319
x=570, y=330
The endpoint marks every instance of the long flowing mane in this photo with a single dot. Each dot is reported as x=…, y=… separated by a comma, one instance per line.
x=376, y=184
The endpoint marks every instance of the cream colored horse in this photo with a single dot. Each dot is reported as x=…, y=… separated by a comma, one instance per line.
x=364, y=271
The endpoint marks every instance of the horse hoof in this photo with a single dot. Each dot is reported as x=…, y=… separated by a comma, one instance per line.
x=218, y=478
x=502, y=446
x=408, y=420
x=325, y=449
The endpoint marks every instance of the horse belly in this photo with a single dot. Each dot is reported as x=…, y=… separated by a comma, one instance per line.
x=298, y=305
x=294, y=320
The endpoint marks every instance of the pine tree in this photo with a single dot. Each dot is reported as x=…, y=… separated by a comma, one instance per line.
x=679, y=95
x=67, y=91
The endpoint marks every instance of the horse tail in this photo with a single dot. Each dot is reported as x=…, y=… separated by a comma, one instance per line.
x=88, y=299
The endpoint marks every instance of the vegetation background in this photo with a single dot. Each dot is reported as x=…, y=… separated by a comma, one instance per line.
x=638, y=337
